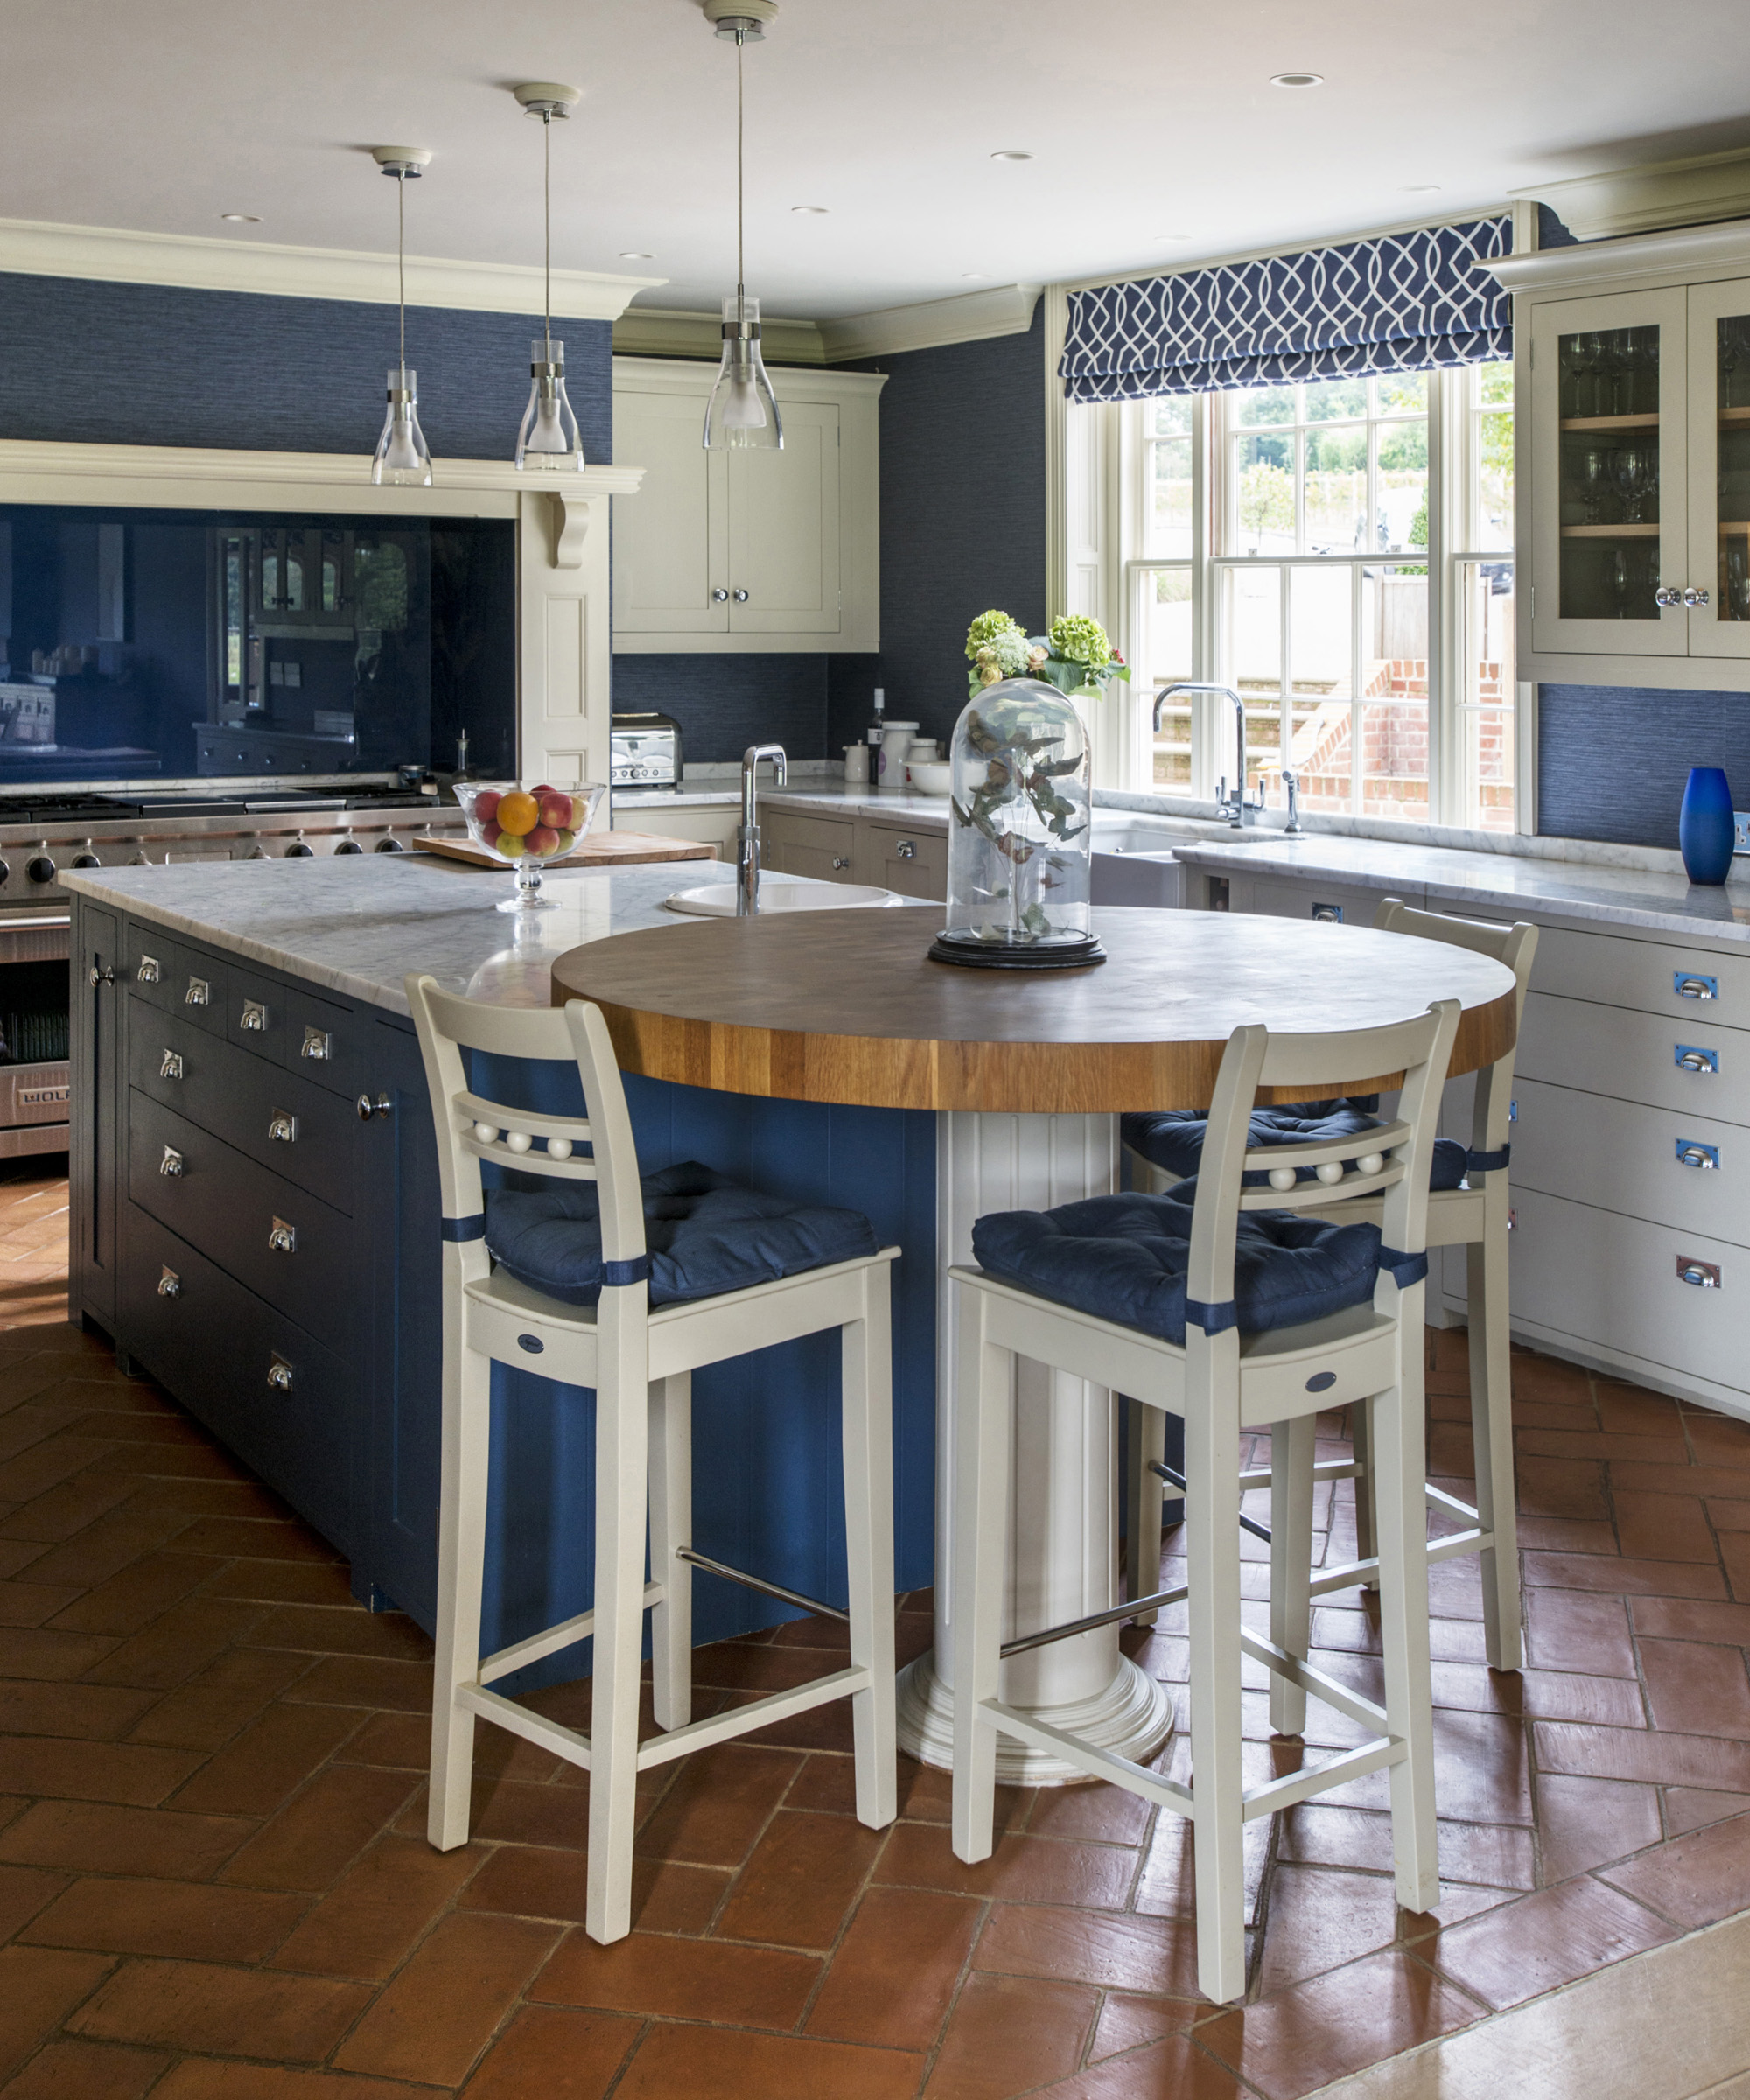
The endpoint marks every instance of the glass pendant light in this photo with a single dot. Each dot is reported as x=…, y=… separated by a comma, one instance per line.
x=742, y=413
x=402, y=457
x=548, y=440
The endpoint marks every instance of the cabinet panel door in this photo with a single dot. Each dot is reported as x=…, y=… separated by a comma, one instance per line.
x=783, y=528
x=819, y=846
x=98, y=1012
x=1719, y=487
x=913, y=863
x=1609, y=475
x=670, y=548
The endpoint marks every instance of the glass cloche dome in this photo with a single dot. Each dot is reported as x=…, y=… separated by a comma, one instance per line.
x=1020, y=840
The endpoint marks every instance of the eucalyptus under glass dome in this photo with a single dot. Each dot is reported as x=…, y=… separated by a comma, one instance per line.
x=1019, y=838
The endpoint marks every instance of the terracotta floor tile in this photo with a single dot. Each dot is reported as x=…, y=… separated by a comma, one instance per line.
x=178, y=1643
x=1164, y=1887
x=317, y=1582
x=1599, y=1444
x=1009, y=2034
x=1565, y=1629
x=99, y=1712
x=32, y=1603
x=1102, y=1813
x=1583, y=1822
x=1692, y=1880
x=1634, y=1410
x=200, y=2078
x=255, y=1538
x=1495, y=1855
x=1156, y=1956
x=221, y=2012
x=1177, y=2068
x=39, y=1987
x=446, y=2003
x=257, y=1772
x=320, y=1829
x=1543, y=1377
x=134, y=1596
x=389, y=1635
x=1729, y=1516
x=535, y=1881
x=1624, y=1578
x=1697, y=1687
x=1545, y=1940
x=95, y=1837
x=1734, y=1553
x=1288, y=2045
x=1020, y=1870
x=511, y=1812
x=1482, y=1771
x=65, y=1769
x=1674, y=1618
x=1664, y=1527
x=104, y=1549
x=893, y=1978
x=366, y=1925
x=46, y=1465
x=1562, y=1695
x=738, y=1666
x=678, y=1979
x=1658, y=1758
x=799, y=1880
x=1320, y=1917
x=715, y=2063
x=31, y=1652
x=178, y=1919
x=218, y=1704
x=1706, y=1480
x=1566, y=1534
x=1718, y=1440
x=718, y=1804
x=85, y=2071
x=1691, y=1808
x=1131, y=2023
x=555, y=2052
x=827, y=1783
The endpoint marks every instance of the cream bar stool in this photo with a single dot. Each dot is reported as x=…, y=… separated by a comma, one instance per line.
x=1221, y=1306
x=780, y=1270
x=1467, y=1207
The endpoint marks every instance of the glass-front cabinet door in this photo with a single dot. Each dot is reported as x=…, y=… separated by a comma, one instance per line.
x=1609, y=475
x=1717, y=584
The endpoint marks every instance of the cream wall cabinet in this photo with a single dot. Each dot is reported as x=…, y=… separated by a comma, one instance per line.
x=747, y=551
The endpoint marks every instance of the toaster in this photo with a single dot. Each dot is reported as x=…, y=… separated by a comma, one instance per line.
x=644, y=750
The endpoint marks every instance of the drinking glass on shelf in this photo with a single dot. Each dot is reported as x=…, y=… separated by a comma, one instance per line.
x=1733, y=354
x=1588, y=363
x=1737, y=579
x=1631, y=468
x=1619, y=584
x=1613, y=371
x=1594, y=479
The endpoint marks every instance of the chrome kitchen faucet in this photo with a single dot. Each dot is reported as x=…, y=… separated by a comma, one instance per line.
x=1240, y=811
x=747, y=838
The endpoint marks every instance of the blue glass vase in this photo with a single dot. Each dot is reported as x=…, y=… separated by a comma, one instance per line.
x=1705, y=825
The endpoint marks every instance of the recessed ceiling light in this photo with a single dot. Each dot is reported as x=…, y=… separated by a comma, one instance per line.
x=1296, y=80
x=1171, y=236
x=974, y=276
x=636, y=254
x=240, y=218
x=1011, y=155
x=810, y=211
x=1420, y=189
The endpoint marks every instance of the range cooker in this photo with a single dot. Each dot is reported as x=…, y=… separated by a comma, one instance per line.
x=132, y=826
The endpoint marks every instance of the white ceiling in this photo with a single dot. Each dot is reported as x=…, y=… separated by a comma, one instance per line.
x=1145, y=117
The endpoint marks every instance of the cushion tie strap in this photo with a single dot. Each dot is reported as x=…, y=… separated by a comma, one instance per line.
x=1487, y=1163
x=466, y=1228
x=1403, y=1269
x=637, y=1270
x=1214, y=1320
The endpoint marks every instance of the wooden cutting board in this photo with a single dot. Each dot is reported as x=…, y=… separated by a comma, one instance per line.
x=607, y=849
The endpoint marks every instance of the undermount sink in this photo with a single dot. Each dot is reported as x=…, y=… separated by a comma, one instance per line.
x=1163, y=835
x=780, y=893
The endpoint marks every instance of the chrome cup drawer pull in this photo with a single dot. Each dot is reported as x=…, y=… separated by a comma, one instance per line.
x=1327, y=914
x=1689, y=1058
x=169, y=1283
x=282, y=1237
x=200, y=993
x=1688, y=987
x=148, y=972
x=254, y=1017
x=171, y=1165
x=315, y=1045
x=282, y=1128
x=279, y=1373
x=1706, y=1157
x=906, y=849
x=171, y=1065
x=1703, y=1275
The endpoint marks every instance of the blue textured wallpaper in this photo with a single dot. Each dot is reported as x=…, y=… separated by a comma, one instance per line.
x=147, y=364
x=724, y=703
x=963, y=523
x=1612, y=761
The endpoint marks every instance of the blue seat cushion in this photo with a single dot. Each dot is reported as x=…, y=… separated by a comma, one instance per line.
x=705, y=1233
x=1173, y=1138
x=1124, y=1259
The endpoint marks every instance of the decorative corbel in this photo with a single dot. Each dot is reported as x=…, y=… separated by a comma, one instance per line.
x=571, y=529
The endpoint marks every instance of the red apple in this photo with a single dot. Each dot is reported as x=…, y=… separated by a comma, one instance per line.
x=486, y=805
x=556, y=807
x=543, y=840
x=544, y=788
x=490, y=835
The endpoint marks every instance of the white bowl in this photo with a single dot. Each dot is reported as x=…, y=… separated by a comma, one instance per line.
x=932, y=776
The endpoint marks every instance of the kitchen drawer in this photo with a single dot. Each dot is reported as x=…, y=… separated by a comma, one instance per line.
x=898, y=857
x=228, y=1205
x=213, y=1344
x=1621, y=1156
x=257, y=1014
x=289, y=1126
x=152, y=968
x=1314, y=898
x=821, y=846
x=1633, y=1056
x=326, y=1043
x=1611, y=1282
x=1647, y=974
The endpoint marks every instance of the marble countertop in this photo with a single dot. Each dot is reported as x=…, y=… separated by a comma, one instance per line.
x=1567, y=889
x=357, y=925
x=926, y=811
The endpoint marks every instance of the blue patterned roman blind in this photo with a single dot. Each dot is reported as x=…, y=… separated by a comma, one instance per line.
x=1401, y=303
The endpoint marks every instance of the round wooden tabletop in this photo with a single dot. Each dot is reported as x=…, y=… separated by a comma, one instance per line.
x=845, y=1006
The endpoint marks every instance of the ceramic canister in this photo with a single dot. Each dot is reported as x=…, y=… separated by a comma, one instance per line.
x=896, y=741
x=856, y=765
x=1705, y=827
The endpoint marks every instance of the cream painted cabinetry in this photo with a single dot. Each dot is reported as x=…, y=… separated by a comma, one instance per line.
x=747, y=551
x=903, y=858
x=792, y=843
x=713, y=825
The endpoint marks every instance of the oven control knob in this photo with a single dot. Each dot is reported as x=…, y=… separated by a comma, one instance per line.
x=87, y=860
x=40, y=868
x=389, y=845
x=6, y=871
x=300, y=849
x=349, y=845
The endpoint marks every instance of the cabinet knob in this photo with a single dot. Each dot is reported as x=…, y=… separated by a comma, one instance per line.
x=907, y=849
x=1696, y=1061
x=1693, y=596
x=282, y=1237
x=367, y=1108
x=841, y=860
x=282, y=1128
x=740, y=597
x=200, y=993
x=719, y=598
x=1704, y=1276
x=1668, y=595
x=1695, y=987
x=254, y=1017
x=100, y=973
x=1706, y=1157
x=171, y=1165
x=279, y=1373
x=170, y=1065
x=315, y=1045
x=169, y=1283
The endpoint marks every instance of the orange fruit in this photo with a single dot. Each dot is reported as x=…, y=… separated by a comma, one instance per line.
x=518, y=812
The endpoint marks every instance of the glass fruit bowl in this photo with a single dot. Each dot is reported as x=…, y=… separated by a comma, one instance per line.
x=523, y=826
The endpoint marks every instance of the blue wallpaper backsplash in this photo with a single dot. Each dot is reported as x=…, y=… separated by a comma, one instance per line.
x=1612, y=761
x=724, y=703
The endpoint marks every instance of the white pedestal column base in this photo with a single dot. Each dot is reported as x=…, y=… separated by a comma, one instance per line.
x=1063, y=1532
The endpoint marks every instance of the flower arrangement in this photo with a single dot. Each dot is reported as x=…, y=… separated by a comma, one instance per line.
x=1075, y=655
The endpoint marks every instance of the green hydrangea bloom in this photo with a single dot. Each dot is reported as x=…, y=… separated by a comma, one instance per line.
x=986, y=628
x=1079, y=640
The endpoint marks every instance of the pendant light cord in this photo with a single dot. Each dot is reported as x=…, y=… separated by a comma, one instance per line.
x=547, y=209
x=741, y=209
x=401, y=262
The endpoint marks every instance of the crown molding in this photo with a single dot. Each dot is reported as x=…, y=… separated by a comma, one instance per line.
x=970, y=317
x=665, y=331
x=1642, y=258
x=109, y=255
x=1692, y=191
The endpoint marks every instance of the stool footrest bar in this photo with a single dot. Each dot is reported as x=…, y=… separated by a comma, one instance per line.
x=767, y=1589
x=1320, y=1779
x=1177, y=1480
x=1326, y=1469
x=535, y=1727
x=1102, y=1764
x=1451, y=1505
x=1094, y=1619
x=739, y=1720
x=1351, y=1704
x=556, y=1637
